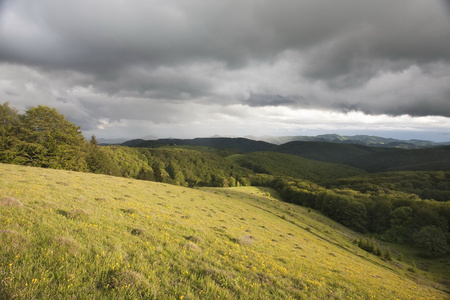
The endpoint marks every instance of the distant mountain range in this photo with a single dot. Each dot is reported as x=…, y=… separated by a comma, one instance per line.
x=366, y=140
x=378, y=156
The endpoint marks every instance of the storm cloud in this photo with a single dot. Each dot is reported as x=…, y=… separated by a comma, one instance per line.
x=180, y=62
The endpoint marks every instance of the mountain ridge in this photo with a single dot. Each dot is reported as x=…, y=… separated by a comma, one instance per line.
x=365, y=140
x=368, y=158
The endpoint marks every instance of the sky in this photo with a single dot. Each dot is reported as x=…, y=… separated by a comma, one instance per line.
x=198, y=68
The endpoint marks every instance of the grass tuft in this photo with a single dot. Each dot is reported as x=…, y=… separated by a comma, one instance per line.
x=194, y=239
x=10, y=201
x=129, y=210
x=191, y=246
x=246, y=240
x=67, y=245
x=76, y=214
x=120, y=279
x=137, y=231
x=12, y=241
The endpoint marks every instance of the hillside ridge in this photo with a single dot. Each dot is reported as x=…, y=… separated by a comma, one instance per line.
x=365, y=140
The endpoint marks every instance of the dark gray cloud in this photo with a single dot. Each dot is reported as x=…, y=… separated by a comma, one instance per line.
x=270, y=100
x=379, y=57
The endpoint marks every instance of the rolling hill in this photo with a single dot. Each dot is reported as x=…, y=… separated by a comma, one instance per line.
x=280, y=164
x=239, y=144
x=431, y=159
x=72, y=235
x=382, y=156
x=372, y=159
x=426, y=185
x=366, y=140
x=328, y=152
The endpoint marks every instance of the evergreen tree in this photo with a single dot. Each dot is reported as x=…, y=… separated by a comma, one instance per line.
x=157, y=173
x=93, y=141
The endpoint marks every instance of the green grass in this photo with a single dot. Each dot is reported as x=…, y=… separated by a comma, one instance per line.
x=68, y=235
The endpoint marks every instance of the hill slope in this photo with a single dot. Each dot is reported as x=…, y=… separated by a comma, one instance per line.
x=328, y=152
x=76, y=235
x=240, y=144
x=431, y=159
x=280, y=164
x=372, y=159
x=426, y=185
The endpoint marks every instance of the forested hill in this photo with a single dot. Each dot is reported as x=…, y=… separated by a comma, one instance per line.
x=239, y=144
x=328, y=152
x=370, y=159
x=280, y=164
x=364, y=140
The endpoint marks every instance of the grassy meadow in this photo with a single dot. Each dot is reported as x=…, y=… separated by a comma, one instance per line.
x=69, y=235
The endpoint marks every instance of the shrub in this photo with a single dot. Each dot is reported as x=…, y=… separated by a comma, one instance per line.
x=387, y=254
x=370, y=246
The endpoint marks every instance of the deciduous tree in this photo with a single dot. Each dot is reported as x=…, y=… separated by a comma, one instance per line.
x=431, y=240
x=50, y=140
x=9, y=131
